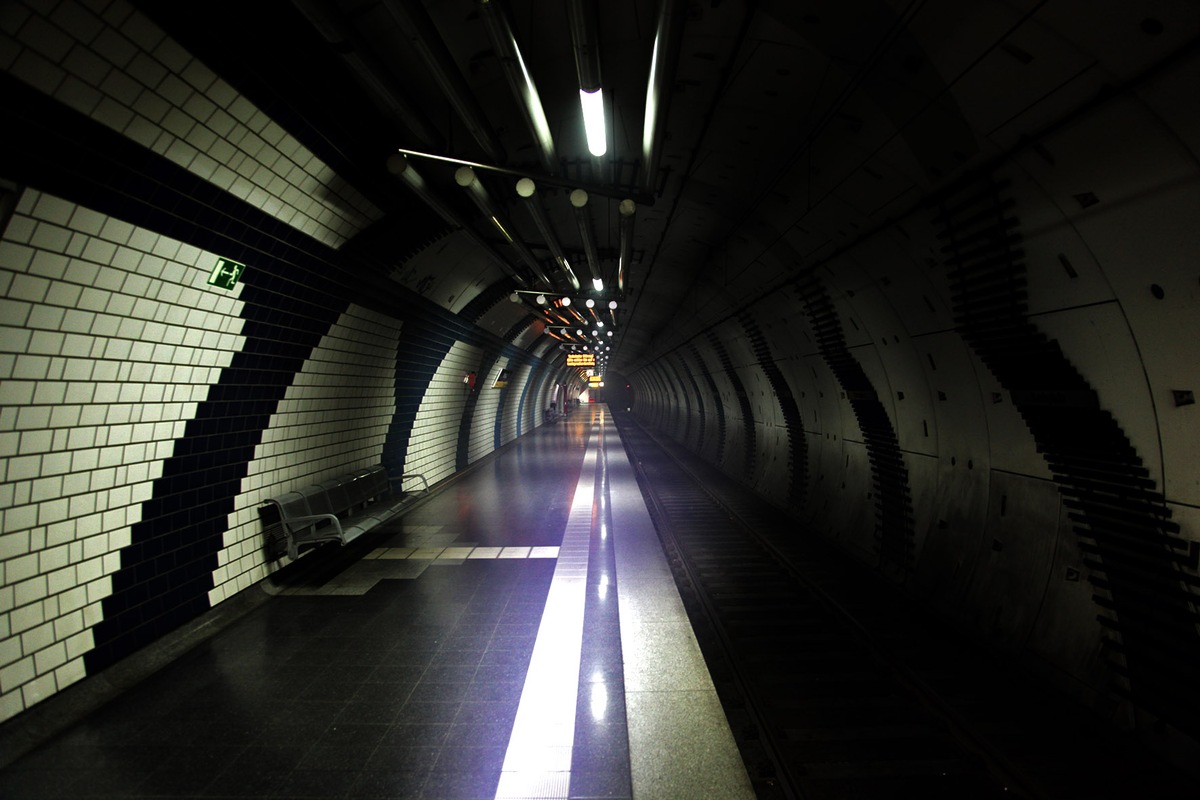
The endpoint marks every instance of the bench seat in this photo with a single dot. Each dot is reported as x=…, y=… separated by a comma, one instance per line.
x=339, y=510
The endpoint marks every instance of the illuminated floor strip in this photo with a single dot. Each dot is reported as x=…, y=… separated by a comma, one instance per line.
x=538, y=761
x=460, y=553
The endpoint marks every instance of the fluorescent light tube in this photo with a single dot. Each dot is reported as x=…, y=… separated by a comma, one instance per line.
x=593, y=121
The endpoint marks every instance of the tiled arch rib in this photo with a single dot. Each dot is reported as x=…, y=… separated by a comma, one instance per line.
x=1137, y=560
x=292, y=292
x=797, y=464
x=715, y=395
x=682, y=373
x=889, y=475
x=739, y=389
x=167, y=567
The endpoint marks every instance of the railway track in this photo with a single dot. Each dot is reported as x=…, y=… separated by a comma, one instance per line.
x=819, y=709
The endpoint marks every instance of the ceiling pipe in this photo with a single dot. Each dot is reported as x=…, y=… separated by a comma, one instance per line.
x=626, y=209
x=423, y=37
x=368, y=69
x=582, y=17
x=465, y=177
x=616, y=193
x=527, y=189
x=581, y=14
x=504, y=42
x=583, y=323
x=663, y=60
x=579, y=201
x=398, y=165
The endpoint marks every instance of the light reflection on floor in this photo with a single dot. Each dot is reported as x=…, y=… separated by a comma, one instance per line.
x=537, y=763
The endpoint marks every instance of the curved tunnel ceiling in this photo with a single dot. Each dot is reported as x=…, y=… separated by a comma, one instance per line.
x=795, y=130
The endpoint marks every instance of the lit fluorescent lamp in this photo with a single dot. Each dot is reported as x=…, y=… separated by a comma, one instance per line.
x=500, y=228
x=593, y=121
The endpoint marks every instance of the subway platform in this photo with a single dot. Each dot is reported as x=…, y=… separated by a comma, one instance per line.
x=515, y=634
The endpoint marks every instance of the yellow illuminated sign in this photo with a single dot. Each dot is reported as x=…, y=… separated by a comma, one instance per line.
x=581, y=360
x=596, y=380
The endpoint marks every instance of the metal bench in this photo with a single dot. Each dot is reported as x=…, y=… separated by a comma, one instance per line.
x=338, y=510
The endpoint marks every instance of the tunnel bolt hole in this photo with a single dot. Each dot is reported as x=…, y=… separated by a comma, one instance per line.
x=1157, y=291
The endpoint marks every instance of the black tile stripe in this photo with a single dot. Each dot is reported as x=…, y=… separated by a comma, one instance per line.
x=529, y=391
x=683, y=401
x=889, y=475
x=166, y=571
x=486, y=300
x=684, y=375
x=669, y=403
x=428, y=334
x=534, y=388
x=679, y=407
x=658, y=393
x=506, y=393
x=748, y=434
x=502, y=407
x=1142, y=571
x=797, y=463
x=418, y=355
x=293, y=290
x=517, y=329
x=715, y=394
x=483, y=368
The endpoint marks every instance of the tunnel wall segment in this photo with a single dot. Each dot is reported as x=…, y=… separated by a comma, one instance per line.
x=145, y=413
x=1014, y=539
x=92, y=419
x=1000, y=542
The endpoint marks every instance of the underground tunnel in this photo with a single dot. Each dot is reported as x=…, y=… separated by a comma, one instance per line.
x=911, y=289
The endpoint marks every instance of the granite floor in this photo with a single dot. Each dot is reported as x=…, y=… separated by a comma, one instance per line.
x=513, y=636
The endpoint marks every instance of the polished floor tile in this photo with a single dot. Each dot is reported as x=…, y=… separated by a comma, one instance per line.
x=401, y=675
x=393, y=708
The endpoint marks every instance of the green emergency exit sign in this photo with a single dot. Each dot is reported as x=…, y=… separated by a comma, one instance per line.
x=226, y=273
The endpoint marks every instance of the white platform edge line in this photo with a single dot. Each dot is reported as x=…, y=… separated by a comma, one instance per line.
x=540, y=747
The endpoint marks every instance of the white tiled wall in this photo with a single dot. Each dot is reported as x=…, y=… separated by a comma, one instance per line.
x=110, y=336
x=333, y=420
x=519, y=374
x=537, y=399
x=483, y=421
x=434, y=442
x=117, y=67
